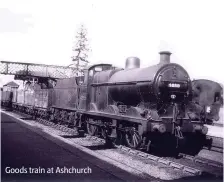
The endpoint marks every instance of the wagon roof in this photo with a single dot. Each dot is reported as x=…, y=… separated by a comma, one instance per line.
x=11, y=84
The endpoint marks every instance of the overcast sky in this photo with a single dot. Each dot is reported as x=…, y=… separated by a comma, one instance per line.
x=43, y=31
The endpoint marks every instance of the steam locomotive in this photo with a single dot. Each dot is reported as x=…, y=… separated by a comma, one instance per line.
x=207, y=101
x=137, y=107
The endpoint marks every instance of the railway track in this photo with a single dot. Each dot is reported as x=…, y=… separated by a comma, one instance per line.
x=217, y=144
x=218, y=149
x=187, y=164
x=203, y=165
x=190, y=164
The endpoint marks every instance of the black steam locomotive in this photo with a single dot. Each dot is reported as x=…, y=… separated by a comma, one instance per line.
x=138, y=107
x=207, y=101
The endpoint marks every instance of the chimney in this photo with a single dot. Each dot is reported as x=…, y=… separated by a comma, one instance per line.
x=165, y=57
x=132, y=62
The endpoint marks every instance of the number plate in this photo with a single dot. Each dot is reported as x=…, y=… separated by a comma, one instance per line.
x=174, y=85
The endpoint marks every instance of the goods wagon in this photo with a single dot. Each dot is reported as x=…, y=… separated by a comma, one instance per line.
x=6, y=98
x=20, y=97
x=33, y=101
x=43, y=98
x=14, y=96
x=29, y=97
x=43, y=102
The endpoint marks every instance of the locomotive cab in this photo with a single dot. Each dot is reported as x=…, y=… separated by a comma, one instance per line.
x=89, y=72
x=86, y=89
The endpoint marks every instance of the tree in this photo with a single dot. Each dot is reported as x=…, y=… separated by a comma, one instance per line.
x=80, y=51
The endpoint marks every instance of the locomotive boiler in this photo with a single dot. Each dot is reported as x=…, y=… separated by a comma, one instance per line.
x=153, y=86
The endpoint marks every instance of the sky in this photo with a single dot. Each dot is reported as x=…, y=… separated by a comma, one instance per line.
x=43, y=31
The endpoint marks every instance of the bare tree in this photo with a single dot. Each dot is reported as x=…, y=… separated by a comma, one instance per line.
x=80, y=51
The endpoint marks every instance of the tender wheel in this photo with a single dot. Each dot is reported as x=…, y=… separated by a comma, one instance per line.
x=51, y=114
x=72, y=121
x=92, y=129
x=46, y=115
x=64, y=118
x=56, y=116
x=60, y=118
x=133, y=139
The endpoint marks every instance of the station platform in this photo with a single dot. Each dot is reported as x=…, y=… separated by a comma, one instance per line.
x=28, y=155
x=215, y=131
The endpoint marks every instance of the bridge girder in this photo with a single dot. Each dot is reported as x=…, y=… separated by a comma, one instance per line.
x=23, y=70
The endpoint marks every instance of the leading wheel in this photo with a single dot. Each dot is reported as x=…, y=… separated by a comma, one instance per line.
x=114, y=140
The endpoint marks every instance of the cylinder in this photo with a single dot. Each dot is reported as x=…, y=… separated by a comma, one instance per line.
x=201, y=129
x=159, y=127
